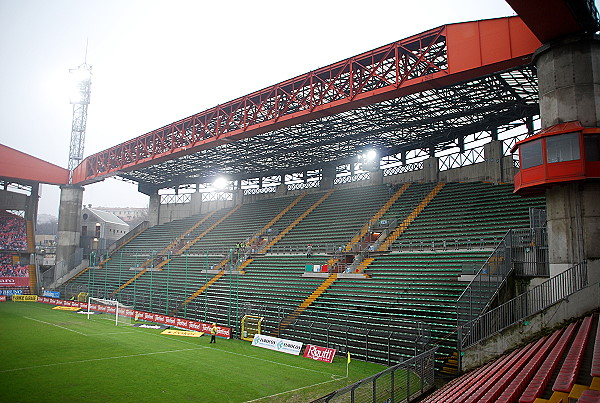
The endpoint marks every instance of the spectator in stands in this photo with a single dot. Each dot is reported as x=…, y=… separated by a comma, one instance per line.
x=309, y=251
x=213, y=333
x=13, y=232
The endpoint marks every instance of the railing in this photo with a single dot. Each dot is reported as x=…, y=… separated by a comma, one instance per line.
x=302, y=185
x=141, y=227
x=62, y=269
x=352, y=178
x=524, y=306
x=401, y=169
x=523, y=250
x=402, y=382
x=457, y=160
x=217, y=196
x=176, y=199
x=256, y=191
x=529, y=252
x=449, y=243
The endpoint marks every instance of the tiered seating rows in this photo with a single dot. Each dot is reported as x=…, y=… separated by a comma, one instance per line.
x=13, y=232
x=525, y=374
x=467, y=214
x=413, y=286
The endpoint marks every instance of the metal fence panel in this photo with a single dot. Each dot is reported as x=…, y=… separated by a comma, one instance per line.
x=525, y=305
x=402, y=382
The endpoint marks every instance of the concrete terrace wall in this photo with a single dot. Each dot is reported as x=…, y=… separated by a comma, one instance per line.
x=575, y=306
x=495, y=169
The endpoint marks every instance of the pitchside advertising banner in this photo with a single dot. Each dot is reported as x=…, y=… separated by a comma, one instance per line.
x=14, y=281
x=277, y=344
x=51, y=294
x=319, y=353
x=24, y=297
x=11, y=292
x=222, y=331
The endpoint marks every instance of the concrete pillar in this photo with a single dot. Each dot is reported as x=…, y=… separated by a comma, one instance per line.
x=281, y=190
x=573, y=213
x=32, y=204
x=196, y=203
x=154, y=209
x=69, y=228
x=569, y=81
x=431, y=171
x=376, y=176
x=327, y=177
x=493, y=161
x=569, y=85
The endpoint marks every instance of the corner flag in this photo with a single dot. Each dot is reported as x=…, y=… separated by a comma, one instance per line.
x=347, y=364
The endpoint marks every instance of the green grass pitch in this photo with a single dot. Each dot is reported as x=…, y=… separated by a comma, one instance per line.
x=59, y=356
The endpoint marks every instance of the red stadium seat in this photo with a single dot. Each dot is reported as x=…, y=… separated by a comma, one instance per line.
x=570, y=368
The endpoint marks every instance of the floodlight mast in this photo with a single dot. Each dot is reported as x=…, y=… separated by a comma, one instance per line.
x=80, y=99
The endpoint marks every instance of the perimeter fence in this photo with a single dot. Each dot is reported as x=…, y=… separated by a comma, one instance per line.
x=405, y=381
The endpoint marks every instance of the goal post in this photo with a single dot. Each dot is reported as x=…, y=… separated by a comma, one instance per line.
x=122, y=313
x=250, y=326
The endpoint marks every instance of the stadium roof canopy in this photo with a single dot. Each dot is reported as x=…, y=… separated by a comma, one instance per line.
x=21, y=168
x=425, y=92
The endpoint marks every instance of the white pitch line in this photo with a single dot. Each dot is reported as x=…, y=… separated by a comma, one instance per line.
x=292, y=390
x=104, y=334
x=254, y=357
x=96, y=359
x=52, y=324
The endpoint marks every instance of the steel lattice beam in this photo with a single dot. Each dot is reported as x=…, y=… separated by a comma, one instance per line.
x=313, y=118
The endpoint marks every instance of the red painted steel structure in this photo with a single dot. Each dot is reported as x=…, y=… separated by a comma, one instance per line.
x=21, y=167
x=578, y=160
x=436, y=58
x=558, y=19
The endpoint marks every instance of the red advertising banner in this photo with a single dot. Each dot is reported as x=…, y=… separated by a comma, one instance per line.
x=2, y=298
x=14, y=281
x=222, y=331
x=319, y=353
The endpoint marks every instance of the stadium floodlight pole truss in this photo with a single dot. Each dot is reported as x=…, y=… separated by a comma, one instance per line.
x=437, y=58
x=80, y=98
x=123, y=313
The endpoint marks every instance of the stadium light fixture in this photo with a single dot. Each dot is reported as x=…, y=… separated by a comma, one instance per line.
x=220, y=183
x=370, y=155
x=80, y=80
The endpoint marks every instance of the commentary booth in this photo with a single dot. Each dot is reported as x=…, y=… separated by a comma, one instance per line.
x=565, y=152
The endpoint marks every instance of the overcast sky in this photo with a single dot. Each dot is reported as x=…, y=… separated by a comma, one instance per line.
x=158, y=61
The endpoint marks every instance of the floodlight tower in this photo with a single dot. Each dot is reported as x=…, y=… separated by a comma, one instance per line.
x=80, y=99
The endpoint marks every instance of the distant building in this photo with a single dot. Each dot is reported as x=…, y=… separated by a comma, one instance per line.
x=99, y=229
x=45, y=249
x=127, y=214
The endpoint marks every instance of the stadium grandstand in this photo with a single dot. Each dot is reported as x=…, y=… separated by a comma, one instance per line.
x=432, y=202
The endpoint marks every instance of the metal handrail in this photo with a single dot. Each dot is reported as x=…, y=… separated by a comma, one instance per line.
x=524, y=306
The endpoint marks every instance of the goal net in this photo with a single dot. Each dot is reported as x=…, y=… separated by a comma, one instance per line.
x=121, y=314
x=250, y=326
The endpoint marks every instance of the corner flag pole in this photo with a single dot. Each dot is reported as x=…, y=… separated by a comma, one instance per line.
x=347, y=364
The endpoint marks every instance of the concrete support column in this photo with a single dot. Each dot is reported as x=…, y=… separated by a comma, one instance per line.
x=238, y=196
x=376, y=176
x=69, y=228
x=327, y=177
x=196, y=203
x=431, y=171
x=493, y=161
x=281, y=189
x=32, y=204
x=154, y=209
x=569, y=84
x=569, y=81
x=573, y=214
